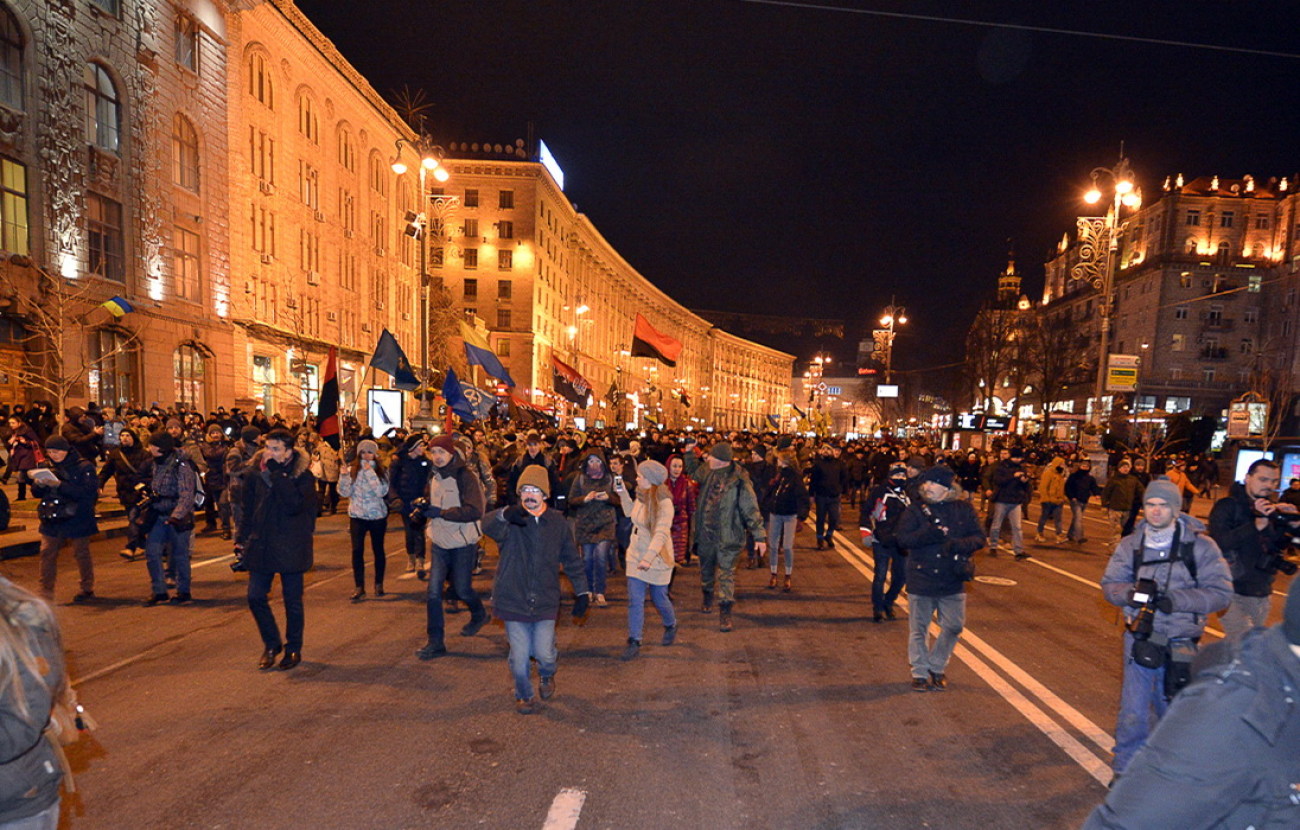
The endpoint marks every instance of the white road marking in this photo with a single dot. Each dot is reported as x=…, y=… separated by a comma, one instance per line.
x=227, y=558
x=565, y=810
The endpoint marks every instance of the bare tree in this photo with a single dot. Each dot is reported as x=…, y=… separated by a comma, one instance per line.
x=1272, y=383
x=1055, y=359
x=994, y=353
x=54, y=317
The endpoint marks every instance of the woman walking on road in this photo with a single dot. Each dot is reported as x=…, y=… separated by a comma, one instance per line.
x=787, y=505
x=650, y=555
x=365, y=485
x=591, y=502
x=684, y=491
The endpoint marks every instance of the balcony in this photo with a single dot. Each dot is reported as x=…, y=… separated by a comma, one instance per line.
x=1210, y=323
x=1215, y=353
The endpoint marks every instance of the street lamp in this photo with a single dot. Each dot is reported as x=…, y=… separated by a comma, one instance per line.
x=894, y=315
x=1098, y=246
x=418, y=226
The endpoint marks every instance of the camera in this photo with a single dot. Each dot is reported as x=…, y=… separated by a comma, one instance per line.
x=1288, y=524
x=1148, y=651
x=239, y=565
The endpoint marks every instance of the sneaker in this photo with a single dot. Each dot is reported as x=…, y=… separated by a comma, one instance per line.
x=546, y=687
x=938, y=682
x=670, y=635
x=1038, y=537
x=600, y=600
x=181, y=598
x=127, y=553
x=430, y=652
x=525, y=707
x=891, y=613
x=155, y=599
x=920, y=684
x=358, y=595
x=632, y=650
x=1021, y=556
x=83, y=597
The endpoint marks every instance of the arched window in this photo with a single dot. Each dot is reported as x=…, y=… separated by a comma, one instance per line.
x=103, y=112
x=1225, y=253
x=11, y=61
x=259, y=80
x=190, y=364
x=379, y=173
x=347, y=151
x=308, y=122
x=113, y=369
x=185, y=153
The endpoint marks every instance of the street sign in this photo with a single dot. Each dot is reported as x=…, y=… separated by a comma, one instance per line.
x=1122, y=373
x=1247, y=419
x=835, y=390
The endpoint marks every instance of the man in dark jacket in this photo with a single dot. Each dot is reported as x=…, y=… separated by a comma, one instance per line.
x=1227, y=753
x=826, y=485
x=940, y=532
x=1118, y=496
x=882, y=510
x=238, y=459
x=75, y=493
x=452, y=511
x=82, y=433
x=275, y=537
x=410, y=481
x=760, y=472
x=173, y=484
x=534, y=543
x=1010, y=495
x=532, y=456
x=1253, y=531
x=1080, y=487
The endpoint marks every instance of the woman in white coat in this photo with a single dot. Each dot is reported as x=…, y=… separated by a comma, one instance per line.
x=650, y=553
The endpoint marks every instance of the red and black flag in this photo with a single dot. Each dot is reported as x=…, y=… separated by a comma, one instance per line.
x=570, y=385
x=327, y=411
x=647, y=342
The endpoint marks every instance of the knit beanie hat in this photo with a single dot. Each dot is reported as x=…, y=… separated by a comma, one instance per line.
x=1165, y=490
x=1291, y=616
x=162, y=441
x=444, y=442
x=760, y=451
x=250, y=434
x=721, y=451
x=653, y=472
x=535, y=476
x=940, y=475
x=367, y=446
x=57, y=442
x=916, y=462
x=175, y=422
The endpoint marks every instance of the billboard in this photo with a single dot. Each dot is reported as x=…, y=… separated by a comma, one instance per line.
x=887, y=390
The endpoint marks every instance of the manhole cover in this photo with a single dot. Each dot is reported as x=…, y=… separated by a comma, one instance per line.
x=995, y=580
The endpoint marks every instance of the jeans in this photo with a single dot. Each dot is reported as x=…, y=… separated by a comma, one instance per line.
x=1141, y=704
x=1049, y=510
x=1011, y=512
x=828, y=513
x=50, y=547
x=360, y=529
x=47, y=819
x=414, y=536
x=780, y=537
x=1245, y=613
x=159, y=535
x=718, y=569
x=595, y=561
x=1076, y=520
x=259, y=588
x=889, y=561
x=459, y=562
x=636, y=591
x=933, y=657
x=535, y=640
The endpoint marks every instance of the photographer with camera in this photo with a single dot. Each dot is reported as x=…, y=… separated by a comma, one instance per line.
x=1254, y=529
x=173, y=484
x=1168, y=576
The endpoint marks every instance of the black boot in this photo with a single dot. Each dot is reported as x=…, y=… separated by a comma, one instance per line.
x=724, y=616
x=708, y=602
x=633, y=648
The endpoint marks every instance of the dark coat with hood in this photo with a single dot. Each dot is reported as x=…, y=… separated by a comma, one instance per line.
x=128, y=467
x=77, y=482
x=594, y=520
x=882, y=510
x=1081, y=485
x=279, y=514
x=1232, y=526
x=1008, y=487
x=80, y=432
x=23, y=444
x=786, y=494
x=938, y=563
x=527, y=584
x=409, y=477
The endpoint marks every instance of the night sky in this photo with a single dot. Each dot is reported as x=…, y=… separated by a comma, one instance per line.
x=783, y=160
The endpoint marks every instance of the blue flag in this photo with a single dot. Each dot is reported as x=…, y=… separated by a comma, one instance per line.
x=479, y=399
x=479, y=353
x=772, y=419
x=390, y=358
x=455, y=395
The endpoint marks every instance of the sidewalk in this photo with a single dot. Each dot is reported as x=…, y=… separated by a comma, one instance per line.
x=23, y=537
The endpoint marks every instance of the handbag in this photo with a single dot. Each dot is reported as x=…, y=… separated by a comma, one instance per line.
x=56, y=509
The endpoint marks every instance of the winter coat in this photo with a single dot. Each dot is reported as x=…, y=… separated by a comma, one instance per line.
x=174, y=482
x=77, y=481
x=527, y=583
x=279, y=514
x=214, y=456
x=409, y=478
x=1008, y=488
x=23, y=445
x=735, y=514
x=786, y=495
x=882, y=510
x=1194, y=599
x=1232, y=525
x=1051, y=484
x=456, y=501
x=517, y=469
x=1224, y=755
x=328, y=459
x=1081, y=486
x=938, y=564
x=128, y=469
x=1122, y=492
x=761, y=474
x=80, y=433
x=827, y=478
x=652, y=546
x=685, y=492
x=29, y=769
x=238, y=458
x=594, y=520
x=365, y=495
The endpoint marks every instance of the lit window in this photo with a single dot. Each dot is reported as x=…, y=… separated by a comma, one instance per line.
x=1253, y=283
x=11, y=61
x=1179, y=343
x=13, y=207
x=185, y=154
x=503, y=348
x=505, y=260
x=103, y=114
x=1185, y=279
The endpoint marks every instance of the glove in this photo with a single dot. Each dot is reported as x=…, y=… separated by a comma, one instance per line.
x=432, y=512
x=1165, y=604
x=418, y=507
x=516, y=515
x=581, y=604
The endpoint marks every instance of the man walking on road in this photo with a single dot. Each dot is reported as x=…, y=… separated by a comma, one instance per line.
x=1168, y=577
x=1080, y=487
x=940, y=531
x=826, y=485
x=175, y=480
x=725, y=510
x=1253, y=530
x=535, y=543
x=1010, y=495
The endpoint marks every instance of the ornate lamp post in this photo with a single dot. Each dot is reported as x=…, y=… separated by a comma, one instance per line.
x=1098, y=246
x=894, y=315
x=418, y=226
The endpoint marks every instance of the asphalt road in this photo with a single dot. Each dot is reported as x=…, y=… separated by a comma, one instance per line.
x=800, y=718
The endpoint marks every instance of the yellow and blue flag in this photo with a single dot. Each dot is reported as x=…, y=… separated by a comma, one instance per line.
x=479, y=353
x=117, y=306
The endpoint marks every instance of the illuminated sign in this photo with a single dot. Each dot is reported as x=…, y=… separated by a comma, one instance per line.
x=997, y=423
x=548, y=161
x=887, y=390
x=970, y=421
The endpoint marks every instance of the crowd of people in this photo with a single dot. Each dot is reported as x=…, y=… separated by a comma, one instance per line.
x=594, y=503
